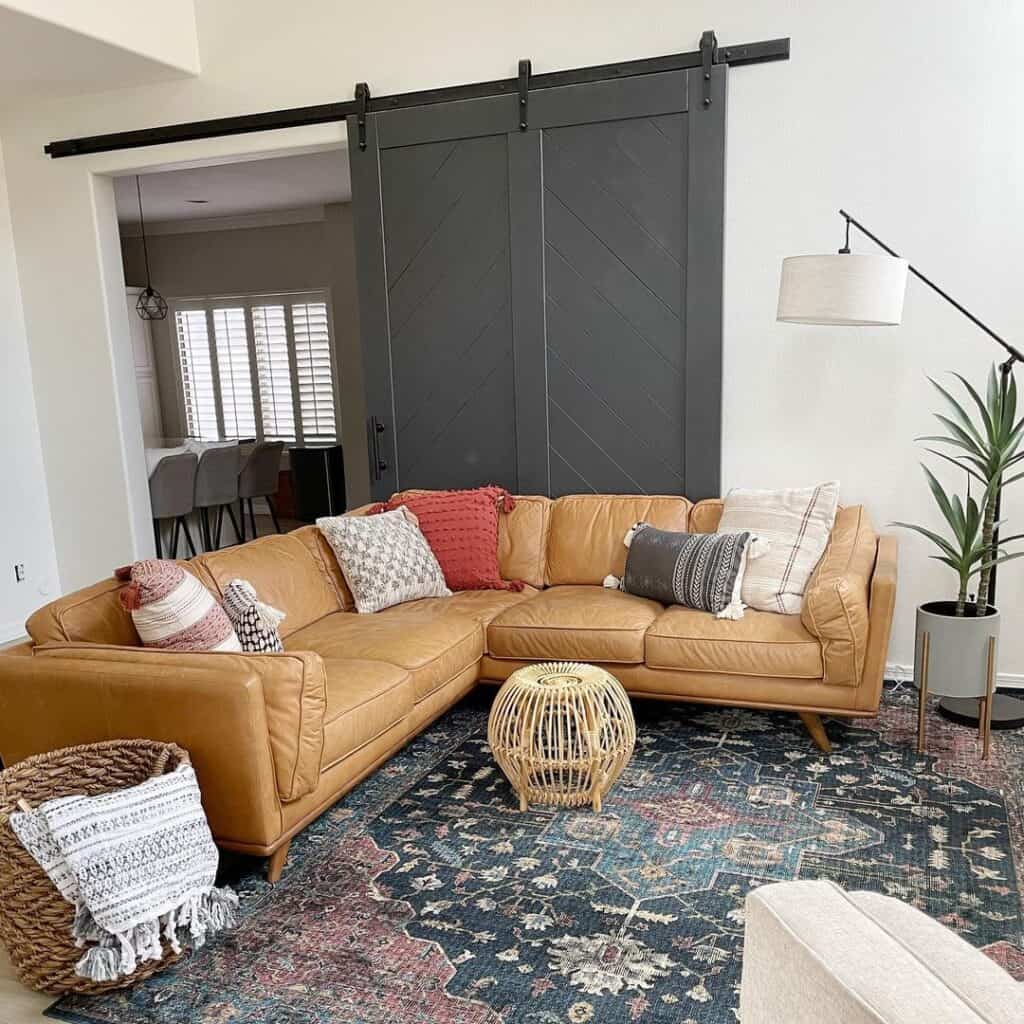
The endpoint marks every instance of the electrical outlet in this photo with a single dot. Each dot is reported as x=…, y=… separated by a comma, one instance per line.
x=19, y=572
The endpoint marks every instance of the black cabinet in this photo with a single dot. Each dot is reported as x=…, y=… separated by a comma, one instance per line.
x=318, y=477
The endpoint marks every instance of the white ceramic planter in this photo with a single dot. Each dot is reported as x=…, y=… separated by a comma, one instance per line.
x=958, y=649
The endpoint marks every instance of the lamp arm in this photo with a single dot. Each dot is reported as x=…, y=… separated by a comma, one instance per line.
x=1014, y=353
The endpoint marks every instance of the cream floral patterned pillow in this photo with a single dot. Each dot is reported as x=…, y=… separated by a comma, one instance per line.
x=385, y=558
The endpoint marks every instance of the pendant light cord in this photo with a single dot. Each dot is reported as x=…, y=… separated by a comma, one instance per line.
x=145, y=246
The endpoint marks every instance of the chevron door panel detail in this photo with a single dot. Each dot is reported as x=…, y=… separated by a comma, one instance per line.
x=446, y=229
x=614, y=231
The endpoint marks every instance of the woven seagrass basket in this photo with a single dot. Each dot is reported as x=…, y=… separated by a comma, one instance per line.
x=35, y=920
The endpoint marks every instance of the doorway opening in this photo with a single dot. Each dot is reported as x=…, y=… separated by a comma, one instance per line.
x=247, y=384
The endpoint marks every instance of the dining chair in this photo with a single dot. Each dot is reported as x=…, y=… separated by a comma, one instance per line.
x=217, y=490
x=259, y=479
x=172, y=486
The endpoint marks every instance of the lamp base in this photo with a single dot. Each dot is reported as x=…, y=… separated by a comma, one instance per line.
x=1007, y=711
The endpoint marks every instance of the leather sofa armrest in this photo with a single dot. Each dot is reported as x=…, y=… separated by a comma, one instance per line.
x=292, y=685
x=836, y=602
x=881, y=605
x=217, y=714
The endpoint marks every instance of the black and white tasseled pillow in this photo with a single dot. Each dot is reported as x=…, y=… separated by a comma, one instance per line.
x=698, y=570
x=255, y=622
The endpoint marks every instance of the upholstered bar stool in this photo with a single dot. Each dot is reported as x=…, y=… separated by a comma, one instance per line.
x=217, y=490
x=258, y=479
x=172, y=488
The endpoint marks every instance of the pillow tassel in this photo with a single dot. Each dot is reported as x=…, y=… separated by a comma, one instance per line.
x=758, y=546
x=612, y=582
x=131, y=597
x=270, y=617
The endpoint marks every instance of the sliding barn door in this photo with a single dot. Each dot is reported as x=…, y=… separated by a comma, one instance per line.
x=542, y=309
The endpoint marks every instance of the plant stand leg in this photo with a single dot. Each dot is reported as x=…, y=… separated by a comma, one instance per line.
x=816, y=728
x=922, y=693
x=985, y=725
x=275, y=862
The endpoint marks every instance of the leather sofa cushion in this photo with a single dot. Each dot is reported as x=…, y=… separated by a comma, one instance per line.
x=705, y=515
x=94, y=614
x=522, y=539
x=585, y=536
x=431, y=640
x=364, y=700
x=835, y=607
x=481, y=605
x=759, y=644
x=574, y=623
x=287, y=573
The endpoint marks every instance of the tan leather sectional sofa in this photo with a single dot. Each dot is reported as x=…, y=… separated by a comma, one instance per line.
x=277, y=738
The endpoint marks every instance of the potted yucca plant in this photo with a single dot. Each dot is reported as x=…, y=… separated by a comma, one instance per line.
x=985, y=445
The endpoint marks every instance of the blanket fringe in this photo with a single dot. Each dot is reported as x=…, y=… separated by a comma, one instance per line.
x=199, y=916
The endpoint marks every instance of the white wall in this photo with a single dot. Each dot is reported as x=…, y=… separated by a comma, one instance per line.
x=25, y=534
x=907, y=114
x=161, y=30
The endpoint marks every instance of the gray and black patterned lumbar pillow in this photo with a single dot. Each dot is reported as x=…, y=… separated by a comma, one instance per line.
x=385, y=558
x=703, y=571
x=255, y=622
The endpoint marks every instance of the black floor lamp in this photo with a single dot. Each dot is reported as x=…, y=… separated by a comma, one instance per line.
x=867, y=290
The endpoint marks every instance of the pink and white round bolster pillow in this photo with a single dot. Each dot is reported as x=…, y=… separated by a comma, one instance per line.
x=172, y=610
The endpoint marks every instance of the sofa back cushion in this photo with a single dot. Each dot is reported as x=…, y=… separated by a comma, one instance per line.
x=586, y=531
x=706, y=515
x=522, y=539
x=94, y=615
x=287, y=571
x=90, y=615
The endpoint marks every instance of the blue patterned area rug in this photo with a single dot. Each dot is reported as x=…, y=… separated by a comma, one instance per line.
x=425, y=897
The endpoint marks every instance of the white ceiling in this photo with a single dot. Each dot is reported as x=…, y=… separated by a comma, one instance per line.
x=237, y=189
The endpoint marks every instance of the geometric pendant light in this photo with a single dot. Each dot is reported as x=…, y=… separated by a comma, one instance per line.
x=151, y=305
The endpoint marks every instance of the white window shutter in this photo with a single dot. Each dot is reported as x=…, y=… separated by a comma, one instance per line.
x=233, y=371
x=197, y=384
x=273, y=370
x=313, y=371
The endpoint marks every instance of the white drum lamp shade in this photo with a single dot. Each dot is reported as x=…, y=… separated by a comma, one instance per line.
x=851, y=289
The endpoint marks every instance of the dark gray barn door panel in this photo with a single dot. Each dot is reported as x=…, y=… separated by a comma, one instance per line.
x=546, y=304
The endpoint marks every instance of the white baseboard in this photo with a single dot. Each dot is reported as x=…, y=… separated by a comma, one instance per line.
x=12, y=633
x=902, y=673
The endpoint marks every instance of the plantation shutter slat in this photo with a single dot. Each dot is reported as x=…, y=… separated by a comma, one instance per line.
x=273, y=368
x=235, y=376
x=197, y=374
x=313, y=371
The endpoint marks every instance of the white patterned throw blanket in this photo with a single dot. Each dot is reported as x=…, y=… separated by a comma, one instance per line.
x=137, y=864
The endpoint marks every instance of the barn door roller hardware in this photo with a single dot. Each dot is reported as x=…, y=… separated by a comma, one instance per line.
x=327, y=113
x=524, y=95
x=708, y=57
x=362, y=102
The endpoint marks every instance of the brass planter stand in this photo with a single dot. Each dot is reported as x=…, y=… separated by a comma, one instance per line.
x=984, y=702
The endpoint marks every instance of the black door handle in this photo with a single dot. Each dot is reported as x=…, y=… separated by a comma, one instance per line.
x=379, y=466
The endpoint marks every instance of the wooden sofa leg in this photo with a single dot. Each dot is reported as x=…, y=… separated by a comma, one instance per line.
x=275, y=862
x=817, y=730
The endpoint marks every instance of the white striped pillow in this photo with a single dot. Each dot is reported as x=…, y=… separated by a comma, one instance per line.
x=796, y=523
x=172, y=610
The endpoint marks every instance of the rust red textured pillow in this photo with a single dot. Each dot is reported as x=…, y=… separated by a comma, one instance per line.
x=461, y=528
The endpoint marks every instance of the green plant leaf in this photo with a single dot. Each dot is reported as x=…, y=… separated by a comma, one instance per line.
x=986, y=418
x=958, y=410
x=939, y=541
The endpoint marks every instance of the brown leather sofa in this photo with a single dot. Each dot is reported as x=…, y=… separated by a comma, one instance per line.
x=277, y=738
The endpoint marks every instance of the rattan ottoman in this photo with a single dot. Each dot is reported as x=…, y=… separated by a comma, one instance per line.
x=561, y=732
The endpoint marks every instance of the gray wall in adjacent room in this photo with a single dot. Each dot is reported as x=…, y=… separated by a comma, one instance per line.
x=250, y=261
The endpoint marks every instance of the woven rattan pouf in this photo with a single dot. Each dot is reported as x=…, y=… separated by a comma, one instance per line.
x=562, y=733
